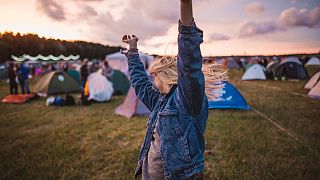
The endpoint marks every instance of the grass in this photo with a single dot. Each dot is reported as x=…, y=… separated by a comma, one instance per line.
x=91, y=142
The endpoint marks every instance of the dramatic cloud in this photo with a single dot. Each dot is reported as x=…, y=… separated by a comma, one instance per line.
x=289, y=18
x=255, y=8
x=52, y=9
x=146, y=20
x=293, y=17
x=218, y=37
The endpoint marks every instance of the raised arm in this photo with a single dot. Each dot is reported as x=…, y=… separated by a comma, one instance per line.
x=138, y=76
x=191, y=82
x=186, y=14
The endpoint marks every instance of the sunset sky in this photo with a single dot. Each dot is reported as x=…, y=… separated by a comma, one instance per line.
x=231, y=27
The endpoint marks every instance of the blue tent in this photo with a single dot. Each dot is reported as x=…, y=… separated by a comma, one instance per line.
x=230, y=99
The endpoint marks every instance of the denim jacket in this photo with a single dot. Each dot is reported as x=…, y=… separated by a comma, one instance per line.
x=180, y=115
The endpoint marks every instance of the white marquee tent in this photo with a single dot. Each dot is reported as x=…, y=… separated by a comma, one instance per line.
x=119, y=61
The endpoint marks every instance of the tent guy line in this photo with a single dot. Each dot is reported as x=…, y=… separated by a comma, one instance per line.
x=284, y=130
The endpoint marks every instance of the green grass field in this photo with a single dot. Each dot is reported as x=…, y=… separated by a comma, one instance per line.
x=91, y=142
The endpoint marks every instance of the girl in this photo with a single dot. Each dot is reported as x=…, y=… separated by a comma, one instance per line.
x=174, y=144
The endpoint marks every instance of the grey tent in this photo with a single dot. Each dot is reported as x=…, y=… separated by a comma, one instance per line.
x=291, y=68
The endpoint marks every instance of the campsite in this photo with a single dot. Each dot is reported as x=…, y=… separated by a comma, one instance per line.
x=94, y=142
x=160, y=90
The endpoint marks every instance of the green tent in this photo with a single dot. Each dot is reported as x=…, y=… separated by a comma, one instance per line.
x=56, y=82
x=75, y=75
x=120, y=82
x=3, y=74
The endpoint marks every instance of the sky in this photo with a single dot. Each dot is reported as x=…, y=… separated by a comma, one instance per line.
x=231, y=27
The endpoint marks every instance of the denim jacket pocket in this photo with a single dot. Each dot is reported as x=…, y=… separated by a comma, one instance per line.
x=174, y=135
x=169, y=120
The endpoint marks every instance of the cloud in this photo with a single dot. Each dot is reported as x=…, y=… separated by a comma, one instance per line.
x=248, y=29
x=89, y=11
x=254, y=8
x=293, y=1
x=294, y=17
x=52, y=9
x=218, y=37
x=146, y=20
x=90, y=0
x=289, y=19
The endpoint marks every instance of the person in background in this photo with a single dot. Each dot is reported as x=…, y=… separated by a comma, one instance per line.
x=52, y=66
x=84, y=73
x=65, y=67
x=11, y=74
x=107, y=70
x=23, y=76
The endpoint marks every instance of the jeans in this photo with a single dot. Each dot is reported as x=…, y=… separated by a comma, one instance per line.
x=13, y=86
x=24, y=84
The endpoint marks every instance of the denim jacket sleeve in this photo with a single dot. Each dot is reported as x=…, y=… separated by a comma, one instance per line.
x=140, y=81
x=191, y=84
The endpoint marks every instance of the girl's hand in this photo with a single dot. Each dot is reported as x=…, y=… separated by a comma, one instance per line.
x=132, y=40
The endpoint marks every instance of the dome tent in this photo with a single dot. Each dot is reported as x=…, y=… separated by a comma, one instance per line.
x=230, y=62
x=313, y=61
x=100, y=89
x=230, y=99
x=291, y=68
x=120, y=82
x=315, y=91
x=313, y=81
x=3, y=72
x=75, y=75
x=255, y=72
x=56, y=82
x=272, y=68
x=132, y=106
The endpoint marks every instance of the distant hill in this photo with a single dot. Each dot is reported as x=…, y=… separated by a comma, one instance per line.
x=32, y=44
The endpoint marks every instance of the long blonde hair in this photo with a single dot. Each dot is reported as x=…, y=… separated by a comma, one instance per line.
x=215, y=74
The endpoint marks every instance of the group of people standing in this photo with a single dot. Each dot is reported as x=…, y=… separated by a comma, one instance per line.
x=18, y=74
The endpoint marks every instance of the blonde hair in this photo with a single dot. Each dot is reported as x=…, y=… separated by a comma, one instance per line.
x=215, y=74
x=166, y=69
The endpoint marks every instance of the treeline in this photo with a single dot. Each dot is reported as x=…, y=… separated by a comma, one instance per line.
x=32, y=44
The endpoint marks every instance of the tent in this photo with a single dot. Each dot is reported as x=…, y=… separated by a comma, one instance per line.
x=56, y=82
x=255, y=72
x=230, y=99
x=313, y=81
x=254, y=60
x=313, y=61
x=100, y=89
x=119, y=61
x=132, y=106
x=75, y=75
x=75, y=66
x=3, y=72
x=120, y=82
x=291, y=68
x=291, y=59
x=272, y=68
x=232, y=63
x=315, y=91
